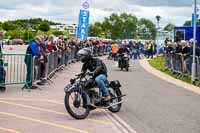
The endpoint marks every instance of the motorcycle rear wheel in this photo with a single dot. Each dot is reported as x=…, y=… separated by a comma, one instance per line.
x=115, y=93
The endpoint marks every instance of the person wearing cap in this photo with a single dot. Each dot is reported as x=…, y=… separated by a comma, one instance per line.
x=34, y=50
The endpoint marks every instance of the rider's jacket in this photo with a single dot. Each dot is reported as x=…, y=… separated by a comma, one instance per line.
x=123, y=50
x=96, y=66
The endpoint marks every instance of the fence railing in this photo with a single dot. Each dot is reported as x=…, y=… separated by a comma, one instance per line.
x=13, y=69
x=27, y=70
x=182, y=64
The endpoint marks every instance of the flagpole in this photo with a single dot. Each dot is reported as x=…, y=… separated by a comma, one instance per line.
x=194, y=43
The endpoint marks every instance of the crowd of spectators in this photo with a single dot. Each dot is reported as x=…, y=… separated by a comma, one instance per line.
x=42, y=46
x=180, y=51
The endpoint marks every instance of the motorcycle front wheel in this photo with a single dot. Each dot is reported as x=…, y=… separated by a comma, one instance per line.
x=75, y=104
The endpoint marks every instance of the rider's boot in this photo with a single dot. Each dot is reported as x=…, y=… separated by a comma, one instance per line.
x=107, y=98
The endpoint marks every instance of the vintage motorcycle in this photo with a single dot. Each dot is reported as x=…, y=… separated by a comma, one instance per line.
x=123, y=61
x=82, y=95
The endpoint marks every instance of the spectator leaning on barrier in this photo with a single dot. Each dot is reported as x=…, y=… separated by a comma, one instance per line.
x=66, y=50
x=185, y=55
x=169, y=50
x=34, y=50
x=43, y=63
x=51, y=45
x=178, y=47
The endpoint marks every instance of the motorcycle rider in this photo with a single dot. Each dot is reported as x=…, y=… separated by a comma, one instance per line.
x=123, y=50
x=97, y=69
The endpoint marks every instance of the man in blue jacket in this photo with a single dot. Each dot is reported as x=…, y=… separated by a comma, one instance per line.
x=33, y=49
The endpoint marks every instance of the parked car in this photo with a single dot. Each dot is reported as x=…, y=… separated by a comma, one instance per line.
x=17, y=42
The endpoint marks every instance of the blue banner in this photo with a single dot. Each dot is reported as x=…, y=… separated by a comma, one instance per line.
x=197, y=20
x=82, y=32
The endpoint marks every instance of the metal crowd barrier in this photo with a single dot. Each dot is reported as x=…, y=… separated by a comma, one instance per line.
x=55, y=62
x=180, y=64
x=13, y=70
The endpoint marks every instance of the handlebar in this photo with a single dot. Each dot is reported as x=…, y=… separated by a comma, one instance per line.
x=81, y=75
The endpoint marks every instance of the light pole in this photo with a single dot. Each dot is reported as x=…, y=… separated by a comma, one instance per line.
x=194, y=43
x=158, y=18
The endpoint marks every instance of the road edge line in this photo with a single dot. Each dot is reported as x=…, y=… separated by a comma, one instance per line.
x=119, y=123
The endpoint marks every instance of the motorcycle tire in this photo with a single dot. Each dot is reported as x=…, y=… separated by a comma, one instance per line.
x=69, y=109
x=117, y=94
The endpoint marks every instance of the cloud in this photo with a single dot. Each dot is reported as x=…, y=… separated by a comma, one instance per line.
x=67, y=11
x=153, y=3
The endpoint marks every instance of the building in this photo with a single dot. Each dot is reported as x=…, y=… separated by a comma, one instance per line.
x=70, y=28
x=162, y=35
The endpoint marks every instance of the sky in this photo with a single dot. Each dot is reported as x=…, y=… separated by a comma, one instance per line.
x=67, y=11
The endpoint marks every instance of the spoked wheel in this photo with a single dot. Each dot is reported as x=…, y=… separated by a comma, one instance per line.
x=75, y=103
x=115, y=93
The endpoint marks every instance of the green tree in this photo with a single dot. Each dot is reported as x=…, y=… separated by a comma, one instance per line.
x=121, y=26
x=1, y=26
x=95, y=29
x=169, y=27
x=7, y=26
x=39, y=32
x=57, y=33
x=44, y=26
x=147, y=29
x=187, y=23
x=12, y=34
x=27, y=35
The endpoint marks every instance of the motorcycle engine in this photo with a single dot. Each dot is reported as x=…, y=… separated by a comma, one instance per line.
x=94, y=96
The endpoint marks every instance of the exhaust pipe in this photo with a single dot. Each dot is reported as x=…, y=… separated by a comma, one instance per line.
x=114, y=104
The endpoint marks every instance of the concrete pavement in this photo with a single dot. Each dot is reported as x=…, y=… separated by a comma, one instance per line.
x=154, y=105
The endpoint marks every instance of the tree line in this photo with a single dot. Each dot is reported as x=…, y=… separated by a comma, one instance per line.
x=115, y=26
x=121, y=26
x=27, y=29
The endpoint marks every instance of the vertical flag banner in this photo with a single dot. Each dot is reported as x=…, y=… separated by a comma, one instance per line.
x=82, y=32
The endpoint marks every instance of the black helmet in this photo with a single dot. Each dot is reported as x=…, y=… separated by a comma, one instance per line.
x=85, y=54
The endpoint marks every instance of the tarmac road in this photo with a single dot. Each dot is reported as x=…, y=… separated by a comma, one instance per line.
x=154, y=105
